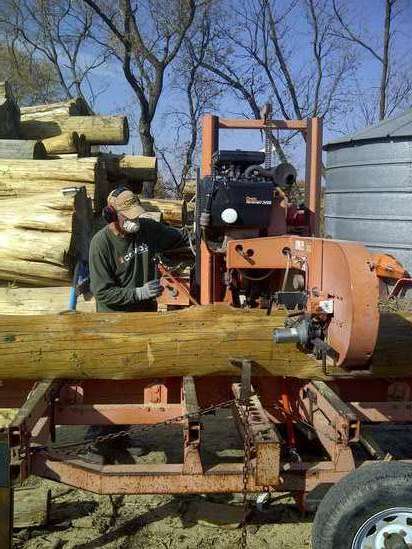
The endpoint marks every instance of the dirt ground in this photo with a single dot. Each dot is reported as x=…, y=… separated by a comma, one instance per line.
x=82, y=520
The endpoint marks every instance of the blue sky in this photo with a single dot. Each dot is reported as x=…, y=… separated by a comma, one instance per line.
x=366, y=15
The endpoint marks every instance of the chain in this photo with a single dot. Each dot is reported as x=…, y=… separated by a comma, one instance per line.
x=247, y=446
x=75, y=448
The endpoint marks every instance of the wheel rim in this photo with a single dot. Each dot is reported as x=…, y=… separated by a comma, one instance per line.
x=385, y=525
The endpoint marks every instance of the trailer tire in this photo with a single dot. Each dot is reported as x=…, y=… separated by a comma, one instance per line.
x=361, y=495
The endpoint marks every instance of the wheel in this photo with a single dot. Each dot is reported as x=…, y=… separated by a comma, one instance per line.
x=370, y=508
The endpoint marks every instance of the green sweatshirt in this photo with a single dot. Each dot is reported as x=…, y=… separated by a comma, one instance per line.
x=117, y=265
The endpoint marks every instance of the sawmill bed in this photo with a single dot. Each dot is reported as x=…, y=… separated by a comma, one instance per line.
x=304, y=435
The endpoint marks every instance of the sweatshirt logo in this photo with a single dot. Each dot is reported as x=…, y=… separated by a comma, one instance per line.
x=137, y=250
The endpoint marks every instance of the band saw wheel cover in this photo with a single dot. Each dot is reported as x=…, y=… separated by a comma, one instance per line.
x=348, y=275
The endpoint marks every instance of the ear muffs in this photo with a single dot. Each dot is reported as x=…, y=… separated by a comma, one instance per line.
x=109, y=214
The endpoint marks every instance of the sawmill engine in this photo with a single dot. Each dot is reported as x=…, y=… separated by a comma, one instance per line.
x=243, y=199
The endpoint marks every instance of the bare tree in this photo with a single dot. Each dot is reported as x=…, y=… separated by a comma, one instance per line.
x=58, y=32
x=146, y=38
x=199, y=94
x=394, y=88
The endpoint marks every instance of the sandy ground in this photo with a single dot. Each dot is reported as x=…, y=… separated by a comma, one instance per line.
x=82, y=520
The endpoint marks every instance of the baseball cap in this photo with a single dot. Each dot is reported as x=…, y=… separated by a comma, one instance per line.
x=125, y=202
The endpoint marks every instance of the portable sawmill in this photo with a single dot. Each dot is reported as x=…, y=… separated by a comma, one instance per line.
x=307, y=405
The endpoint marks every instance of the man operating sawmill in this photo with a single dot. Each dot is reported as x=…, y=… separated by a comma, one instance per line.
x=122, y=268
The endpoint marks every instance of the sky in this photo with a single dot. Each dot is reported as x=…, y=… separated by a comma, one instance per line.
x=367, y=16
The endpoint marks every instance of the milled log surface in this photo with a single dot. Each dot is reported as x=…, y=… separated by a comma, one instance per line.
x=195, y=341
x=22, y=149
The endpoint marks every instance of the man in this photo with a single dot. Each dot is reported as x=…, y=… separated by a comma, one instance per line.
x=122, y=270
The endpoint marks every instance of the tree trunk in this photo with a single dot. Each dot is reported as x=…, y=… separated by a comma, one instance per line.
x=148, y=148
x=9, y=113
x=98, y=130
x=194, y=341
x=22, y=149
x=173, y=212
x=66, y=143
x=72, y=107
x=385, y=59
x=40, y=301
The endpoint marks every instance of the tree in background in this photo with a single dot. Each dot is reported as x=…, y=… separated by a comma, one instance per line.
x=33, y=81
x=395, y=84
x=199, y=94
x=145, y=37
x=56, y=34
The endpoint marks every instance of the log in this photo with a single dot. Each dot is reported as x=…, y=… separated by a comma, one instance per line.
x=133, y=168
x=19, y=178
x=189, y=190
x=9, y=113
x=22, y=149
x=40, y=301
x=66, y=143
x=173, y=212
x=99, y=130
x=48, y=212
x=71, y=107
x=39, y=241
x=197, y=341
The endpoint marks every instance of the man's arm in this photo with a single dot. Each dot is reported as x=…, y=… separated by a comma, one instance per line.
x=169, y=238
x=102, y=281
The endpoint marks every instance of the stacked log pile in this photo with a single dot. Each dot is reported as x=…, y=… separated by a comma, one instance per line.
x=45, y=158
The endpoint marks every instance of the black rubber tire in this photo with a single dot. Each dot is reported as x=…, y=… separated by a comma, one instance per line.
x=357, y=497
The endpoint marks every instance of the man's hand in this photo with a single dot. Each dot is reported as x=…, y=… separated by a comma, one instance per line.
x=149, y=290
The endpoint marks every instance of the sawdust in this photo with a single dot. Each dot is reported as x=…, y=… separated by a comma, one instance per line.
x=82, y=520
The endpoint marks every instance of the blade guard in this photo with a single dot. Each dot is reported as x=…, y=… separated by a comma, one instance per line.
x=349, y=277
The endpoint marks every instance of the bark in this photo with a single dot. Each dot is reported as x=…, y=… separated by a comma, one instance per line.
x=385, y=59
x=195, y=341
x=20, y=149
x=98, y=130
x=9, y=113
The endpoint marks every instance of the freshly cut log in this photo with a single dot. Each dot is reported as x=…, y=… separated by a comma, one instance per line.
x=22, y=149
x=204, y=340
x=173, y=212
x=72, y=107
x=19, y=178
x=40, y=301
x=98, y=130
x=66, y=143
x=9, y=113
x=133, y=168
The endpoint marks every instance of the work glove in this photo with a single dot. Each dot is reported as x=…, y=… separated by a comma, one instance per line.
x=149, y=290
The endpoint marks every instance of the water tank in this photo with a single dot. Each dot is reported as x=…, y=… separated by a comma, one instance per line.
x=368, y=195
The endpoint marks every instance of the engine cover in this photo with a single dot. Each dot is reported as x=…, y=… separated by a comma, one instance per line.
x=252, y=200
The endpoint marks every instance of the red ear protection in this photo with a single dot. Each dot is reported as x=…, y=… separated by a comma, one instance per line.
x=109, y=214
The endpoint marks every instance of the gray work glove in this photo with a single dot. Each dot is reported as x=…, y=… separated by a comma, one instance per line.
x=149, y=290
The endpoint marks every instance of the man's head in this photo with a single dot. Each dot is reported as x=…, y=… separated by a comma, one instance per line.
x=124, y=207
